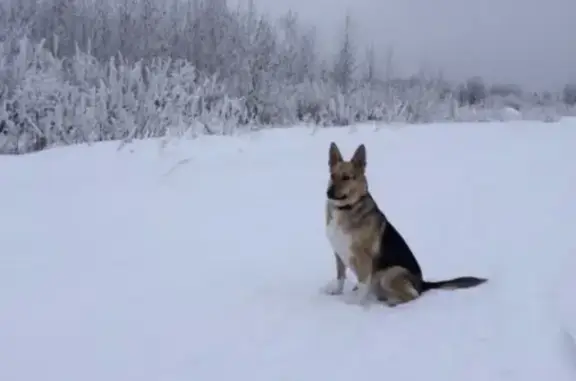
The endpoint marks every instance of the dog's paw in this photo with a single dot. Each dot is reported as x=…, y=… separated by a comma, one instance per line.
x=335, y=287
x=359, y=296
x=353, y=298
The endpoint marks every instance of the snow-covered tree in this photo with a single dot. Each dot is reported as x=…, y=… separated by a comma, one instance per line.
x=345, y=63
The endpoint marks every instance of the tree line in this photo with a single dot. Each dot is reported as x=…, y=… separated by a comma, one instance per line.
x=75, y=71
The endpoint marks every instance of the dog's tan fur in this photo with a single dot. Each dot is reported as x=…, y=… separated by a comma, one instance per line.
x=358, y=231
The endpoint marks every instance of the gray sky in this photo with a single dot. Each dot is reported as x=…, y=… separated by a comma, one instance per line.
x=531, y=42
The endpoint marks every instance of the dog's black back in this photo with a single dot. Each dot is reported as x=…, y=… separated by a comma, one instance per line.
x=394, y=251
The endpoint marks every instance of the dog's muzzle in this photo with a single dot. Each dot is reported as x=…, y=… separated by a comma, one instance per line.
x=331, y=194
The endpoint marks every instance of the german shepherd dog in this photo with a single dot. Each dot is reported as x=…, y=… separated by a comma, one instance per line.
x=365, y=241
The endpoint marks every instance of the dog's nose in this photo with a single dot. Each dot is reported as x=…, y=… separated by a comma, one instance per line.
x=330, y=191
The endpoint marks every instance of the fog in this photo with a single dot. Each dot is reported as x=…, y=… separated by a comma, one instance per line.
x=529, y=42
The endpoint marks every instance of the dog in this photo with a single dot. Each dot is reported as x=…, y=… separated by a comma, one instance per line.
x=367, y=243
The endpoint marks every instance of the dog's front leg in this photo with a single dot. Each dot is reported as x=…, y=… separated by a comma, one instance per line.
x=336, y=286
x=362, y=266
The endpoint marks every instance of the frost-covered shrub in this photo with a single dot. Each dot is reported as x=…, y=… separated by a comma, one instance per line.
x=472, y=92
x=50, y=101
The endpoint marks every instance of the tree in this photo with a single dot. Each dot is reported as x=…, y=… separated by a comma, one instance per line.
x=569, y=94
x=370, y=74
x=345, y=65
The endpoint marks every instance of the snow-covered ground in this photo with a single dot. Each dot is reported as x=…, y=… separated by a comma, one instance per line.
x=204, y=260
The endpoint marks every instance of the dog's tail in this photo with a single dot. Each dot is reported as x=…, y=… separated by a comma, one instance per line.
x=453, y=284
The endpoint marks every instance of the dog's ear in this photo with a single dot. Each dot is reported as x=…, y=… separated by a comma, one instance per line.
x=359, y=157
x=335, y=156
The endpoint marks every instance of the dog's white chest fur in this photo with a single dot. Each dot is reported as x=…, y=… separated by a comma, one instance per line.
x=340, y=240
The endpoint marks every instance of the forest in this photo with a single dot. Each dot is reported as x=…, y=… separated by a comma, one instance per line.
x=82, y=71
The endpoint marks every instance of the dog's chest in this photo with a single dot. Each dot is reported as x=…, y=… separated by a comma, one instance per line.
x=340, y=240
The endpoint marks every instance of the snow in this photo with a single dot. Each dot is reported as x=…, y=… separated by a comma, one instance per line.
x=204, y=260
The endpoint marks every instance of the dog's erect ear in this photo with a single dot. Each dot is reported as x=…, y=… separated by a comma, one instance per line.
x=359, y=157
x=335, y=155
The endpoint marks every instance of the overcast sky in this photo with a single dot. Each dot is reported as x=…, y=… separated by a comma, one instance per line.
x=531, y=42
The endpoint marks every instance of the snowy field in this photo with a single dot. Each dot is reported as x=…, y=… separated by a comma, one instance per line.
x=204, y=260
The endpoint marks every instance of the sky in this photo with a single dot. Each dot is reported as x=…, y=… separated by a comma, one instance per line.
x=530, y=42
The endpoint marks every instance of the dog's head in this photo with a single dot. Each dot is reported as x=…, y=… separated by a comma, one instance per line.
x=347, y=178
